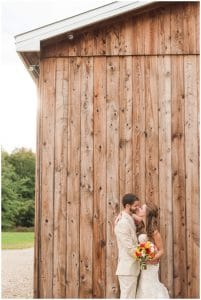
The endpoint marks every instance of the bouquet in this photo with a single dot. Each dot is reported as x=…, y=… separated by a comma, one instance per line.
x=144, y=252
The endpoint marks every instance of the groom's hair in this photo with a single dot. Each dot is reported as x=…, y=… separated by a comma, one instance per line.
x=129, y=199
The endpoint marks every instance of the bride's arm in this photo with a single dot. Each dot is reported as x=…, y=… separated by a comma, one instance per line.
x=137, y=218
x=118, y=218
x=159, y=244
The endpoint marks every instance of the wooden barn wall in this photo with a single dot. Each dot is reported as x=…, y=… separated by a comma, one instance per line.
x=170, y=29
x=116, y=116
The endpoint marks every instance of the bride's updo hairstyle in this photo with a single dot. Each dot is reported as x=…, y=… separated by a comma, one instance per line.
x=151, y=225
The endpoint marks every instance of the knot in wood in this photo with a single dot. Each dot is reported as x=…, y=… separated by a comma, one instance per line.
x=102, y=243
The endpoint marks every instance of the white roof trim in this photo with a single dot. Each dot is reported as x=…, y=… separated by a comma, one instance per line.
x=30, y=41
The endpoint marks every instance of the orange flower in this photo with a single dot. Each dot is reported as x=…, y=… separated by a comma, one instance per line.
x=144, y=252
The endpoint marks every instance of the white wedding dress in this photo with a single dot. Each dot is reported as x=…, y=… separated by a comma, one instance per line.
x=149, y=285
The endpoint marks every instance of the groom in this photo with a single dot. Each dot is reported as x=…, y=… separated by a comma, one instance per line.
x=128, y=268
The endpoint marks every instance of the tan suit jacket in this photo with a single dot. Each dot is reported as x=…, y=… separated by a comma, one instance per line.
x=125, y=232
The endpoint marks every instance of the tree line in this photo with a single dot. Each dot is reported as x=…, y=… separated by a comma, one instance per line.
x=18, y=188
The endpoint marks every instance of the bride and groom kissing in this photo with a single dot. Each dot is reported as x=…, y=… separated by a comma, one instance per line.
x=138, y=224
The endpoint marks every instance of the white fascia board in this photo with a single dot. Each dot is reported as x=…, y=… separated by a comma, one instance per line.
x=30, y=41
x=32, y=45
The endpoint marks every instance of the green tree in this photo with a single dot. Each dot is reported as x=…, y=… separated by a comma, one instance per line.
x=23, y=161
x=9, y=192
x=18, y=181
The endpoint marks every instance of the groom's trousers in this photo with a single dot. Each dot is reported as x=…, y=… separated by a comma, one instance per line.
x=128, y=286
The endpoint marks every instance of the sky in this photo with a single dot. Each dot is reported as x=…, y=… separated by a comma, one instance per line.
x=18, y=90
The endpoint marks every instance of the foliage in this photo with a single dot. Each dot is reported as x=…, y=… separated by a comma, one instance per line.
x=18, y=183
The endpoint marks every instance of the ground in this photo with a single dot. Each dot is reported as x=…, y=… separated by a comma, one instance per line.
x=17, y=273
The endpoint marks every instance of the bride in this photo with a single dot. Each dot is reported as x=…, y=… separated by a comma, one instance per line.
x=146, y=219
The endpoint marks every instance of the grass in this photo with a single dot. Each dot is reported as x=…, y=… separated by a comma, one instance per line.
x=17, y=240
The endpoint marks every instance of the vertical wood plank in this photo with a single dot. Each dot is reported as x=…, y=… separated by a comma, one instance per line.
x=73, y=184
x=139, y=134
x=62, y=48
x=138, y=35
x=150, y=28
x=99, y=41
x=112, y=39
x=198, y=137
x=37, y=219
x=87, y=44
x=189, y=23
x=126, y=41
x=198, y=117
x=165, y=178
x=60, y=173
x=192, y=184
x=151, y=131
x=177, y=28
x=164, y=30
x=99, y=223
x=74, y=45
x=197, y=16
x=49, y=50
x=112, y=172
x=125, y=127
x=86, y=192
x=178, y=178
x=47, y=184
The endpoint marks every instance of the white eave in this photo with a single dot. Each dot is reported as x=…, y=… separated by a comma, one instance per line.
x=30, y=41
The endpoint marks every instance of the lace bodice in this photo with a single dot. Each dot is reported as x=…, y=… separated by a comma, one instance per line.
x=149, y=284
x=142, y=238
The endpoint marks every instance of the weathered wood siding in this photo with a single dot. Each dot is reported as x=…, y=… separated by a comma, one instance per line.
x=118, y=113
x=170, y=29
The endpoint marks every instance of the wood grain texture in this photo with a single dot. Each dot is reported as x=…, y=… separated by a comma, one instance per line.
x=126, y=37
x=99, y=119
x=138, y=35
x=198, y=118
x=74, y=45
x=112, y=172
x=87, y=44
x=73, y=181
x=37, y=217
x=100, y=192
x=47, y=180
x=192, y=184
x=60, y=177
x=125, y=127
x=189, y=27
x=62, y=49
x=112, y=39
x=86, y=192
x=197, y=16
x=151, y=30
x=171, y=28
x=151, y=129
x=99, y=42
x=118, y=113
x=177, y=28
x=139, y=133
x=178, y=178
x=164, y=36
x=165, y=166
